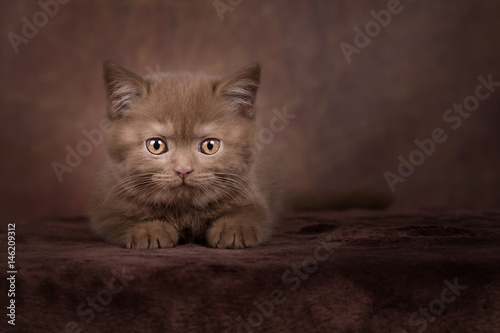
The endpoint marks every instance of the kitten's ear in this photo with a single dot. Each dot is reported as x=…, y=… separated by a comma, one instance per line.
x=241, y=88
x=123, y=88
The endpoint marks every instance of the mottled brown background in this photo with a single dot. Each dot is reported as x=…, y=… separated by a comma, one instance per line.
x=353, y=120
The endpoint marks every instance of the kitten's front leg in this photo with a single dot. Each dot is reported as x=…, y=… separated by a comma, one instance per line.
x=245, y=228
x=151, y=235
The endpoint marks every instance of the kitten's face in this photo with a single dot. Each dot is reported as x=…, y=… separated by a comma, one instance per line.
x=181, y=139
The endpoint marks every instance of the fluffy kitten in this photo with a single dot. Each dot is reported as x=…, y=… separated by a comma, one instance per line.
x=181, y=162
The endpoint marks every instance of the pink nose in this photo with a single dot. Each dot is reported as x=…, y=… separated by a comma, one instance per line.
x=183, y=173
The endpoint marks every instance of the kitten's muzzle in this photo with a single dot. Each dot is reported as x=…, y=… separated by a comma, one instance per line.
x=183, y=173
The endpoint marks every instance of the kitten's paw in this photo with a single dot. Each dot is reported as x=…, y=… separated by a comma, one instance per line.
x=227, y=233
x=151, y=235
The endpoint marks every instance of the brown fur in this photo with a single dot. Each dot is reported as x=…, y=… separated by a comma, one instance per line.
x=229, y=200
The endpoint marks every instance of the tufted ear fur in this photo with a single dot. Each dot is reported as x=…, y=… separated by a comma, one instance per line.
x=241, y=88
x=123, y=89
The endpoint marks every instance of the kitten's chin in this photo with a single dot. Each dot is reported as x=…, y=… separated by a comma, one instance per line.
x=185, y=193
x=182, y=194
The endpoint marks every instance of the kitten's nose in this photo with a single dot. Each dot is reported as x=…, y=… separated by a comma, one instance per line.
x=183, y=173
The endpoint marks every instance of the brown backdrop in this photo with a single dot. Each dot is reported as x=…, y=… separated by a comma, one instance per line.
x=352, y=120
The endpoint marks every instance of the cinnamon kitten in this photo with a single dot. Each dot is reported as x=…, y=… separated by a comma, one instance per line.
x=181, y=162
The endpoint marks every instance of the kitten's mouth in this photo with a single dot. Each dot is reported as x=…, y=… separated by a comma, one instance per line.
x=183, y=184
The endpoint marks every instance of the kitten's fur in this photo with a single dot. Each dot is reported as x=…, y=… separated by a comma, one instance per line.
x=229, y=200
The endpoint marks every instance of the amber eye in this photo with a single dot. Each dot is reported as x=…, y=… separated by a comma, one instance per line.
x=210, y=146
x=156, y=146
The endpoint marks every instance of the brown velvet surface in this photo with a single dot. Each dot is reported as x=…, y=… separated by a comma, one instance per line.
x=326, y=272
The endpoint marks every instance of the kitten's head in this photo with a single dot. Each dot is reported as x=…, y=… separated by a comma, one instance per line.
x=181, y=138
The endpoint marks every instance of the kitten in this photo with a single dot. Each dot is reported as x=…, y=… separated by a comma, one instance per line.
x=181, y=162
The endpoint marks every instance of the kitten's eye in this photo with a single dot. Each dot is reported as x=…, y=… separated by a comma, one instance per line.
x=156, y=146
x=210, y=146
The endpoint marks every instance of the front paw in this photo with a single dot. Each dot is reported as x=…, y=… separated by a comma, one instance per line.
x=231, y=233
x=151, y=235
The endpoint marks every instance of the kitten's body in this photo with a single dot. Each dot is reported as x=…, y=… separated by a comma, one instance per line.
x=228, y=199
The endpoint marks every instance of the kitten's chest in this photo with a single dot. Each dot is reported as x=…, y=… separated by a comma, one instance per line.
x=191, y=223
